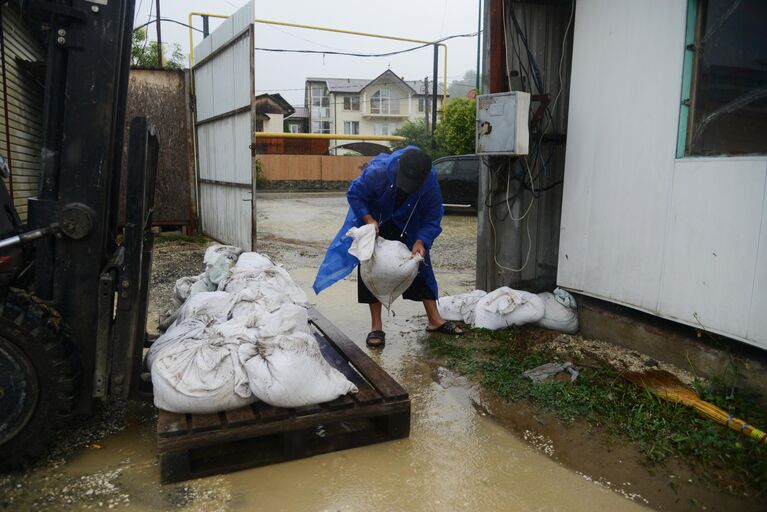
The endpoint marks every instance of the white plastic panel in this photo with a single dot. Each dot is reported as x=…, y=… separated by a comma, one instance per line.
x=712, y=242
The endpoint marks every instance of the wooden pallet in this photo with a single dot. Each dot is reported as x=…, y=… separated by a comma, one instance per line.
x=197, y=445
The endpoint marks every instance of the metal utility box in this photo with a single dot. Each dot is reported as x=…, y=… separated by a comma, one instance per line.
x=502, y=123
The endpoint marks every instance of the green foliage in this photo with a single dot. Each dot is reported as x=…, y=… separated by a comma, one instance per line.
x=456, y=131
x=658, y=428
x=260, y=178
x=417, y=135
x=144, y=53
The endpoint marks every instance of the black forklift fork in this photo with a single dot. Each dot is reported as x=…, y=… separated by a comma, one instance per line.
x=124, y=282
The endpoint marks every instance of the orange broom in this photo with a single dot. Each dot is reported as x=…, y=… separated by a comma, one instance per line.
x=668, y=387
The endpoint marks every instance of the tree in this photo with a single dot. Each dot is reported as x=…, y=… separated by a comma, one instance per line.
x=460, y=88
x=456, y=132
x=144, y=53
x=416, y=134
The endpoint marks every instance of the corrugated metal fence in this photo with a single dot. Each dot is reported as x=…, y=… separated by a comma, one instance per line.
x=21, y=106
x=225, y=121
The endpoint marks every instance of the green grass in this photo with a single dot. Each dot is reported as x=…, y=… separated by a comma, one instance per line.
x=660, y=429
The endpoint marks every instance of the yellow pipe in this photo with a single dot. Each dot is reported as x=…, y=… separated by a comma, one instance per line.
x=191, y=40
x=326, y=29
x=328, y=136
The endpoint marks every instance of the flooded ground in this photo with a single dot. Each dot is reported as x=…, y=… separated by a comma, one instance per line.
x=458, y=457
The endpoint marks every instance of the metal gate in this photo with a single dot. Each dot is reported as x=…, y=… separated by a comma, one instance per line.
x=225, y=119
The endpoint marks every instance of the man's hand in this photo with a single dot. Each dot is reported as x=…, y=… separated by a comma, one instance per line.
x=368, y=219
x=419, y=248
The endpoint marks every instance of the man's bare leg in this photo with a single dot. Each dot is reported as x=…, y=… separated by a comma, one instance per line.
x=376, y=324
x=434, y=319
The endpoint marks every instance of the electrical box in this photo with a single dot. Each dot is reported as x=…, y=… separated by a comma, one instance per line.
x=502, y=123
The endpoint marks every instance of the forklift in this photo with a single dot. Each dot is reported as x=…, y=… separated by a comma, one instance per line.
x=74, y=279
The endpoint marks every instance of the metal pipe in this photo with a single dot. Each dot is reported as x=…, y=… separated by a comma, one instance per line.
x=330, y=136
x=434, y=97
x=479, y=40
x=159, y=37
x=323, y=29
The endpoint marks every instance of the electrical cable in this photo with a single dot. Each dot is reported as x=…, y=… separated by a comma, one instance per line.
x=353, y=54
x=170, y=20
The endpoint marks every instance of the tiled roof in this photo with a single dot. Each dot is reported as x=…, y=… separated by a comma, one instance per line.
x=356, y=85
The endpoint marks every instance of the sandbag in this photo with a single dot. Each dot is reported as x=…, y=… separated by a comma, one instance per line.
x=196, y=371
x=504, y=307
x=560, y=312
x=289, y=371
x=273, y=285
x=253, y=261
x=252, y=322
x=389, y=269
x=183, y=288
x=212, y=253
x=209, y=306
x=460, y=308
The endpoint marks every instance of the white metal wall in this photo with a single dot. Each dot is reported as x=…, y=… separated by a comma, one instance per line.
x=224, y=94
x=685, y=239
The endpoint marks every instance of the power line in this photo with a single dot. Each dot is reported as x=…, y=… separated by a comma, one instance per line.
x=166, y=19
x=374, y=55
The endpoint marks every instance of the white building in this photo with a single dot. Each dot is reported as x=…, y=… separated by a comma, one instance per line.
x=665, y=210
x=366, y=107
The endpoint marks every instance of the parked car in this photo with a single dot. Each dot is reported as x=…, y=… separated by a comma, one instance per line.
x=458, y=178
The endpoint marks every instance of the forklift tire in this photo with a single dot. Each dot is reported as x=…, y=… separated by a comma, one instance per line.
x=39, y=377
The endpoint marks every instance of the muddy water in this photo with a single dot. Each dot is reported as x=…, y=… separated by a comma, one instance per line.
x=457, y=458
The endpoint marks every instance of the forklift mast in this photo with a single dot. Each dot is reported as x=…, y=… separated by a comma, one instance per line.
x=95, y=275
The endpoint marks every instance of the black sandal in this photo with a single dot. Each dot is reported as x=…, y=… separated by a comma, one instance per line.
x=447, y=328
x=376, y=335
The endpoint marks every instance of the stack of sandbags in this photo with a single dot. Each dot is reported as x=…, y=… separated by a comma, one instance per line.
x=248, y=340
x=387, y=267
x=505, y=307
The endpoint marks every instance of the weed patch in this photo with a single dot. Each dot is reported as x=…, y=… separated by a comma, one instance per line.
x=496, y=359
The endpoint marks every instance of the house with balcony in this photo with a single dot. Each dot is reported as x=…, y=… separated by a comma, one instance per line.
x=366, y=107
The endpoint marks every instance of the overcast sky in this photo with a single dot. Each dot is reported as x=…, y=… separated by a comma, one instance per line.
x=286, y=72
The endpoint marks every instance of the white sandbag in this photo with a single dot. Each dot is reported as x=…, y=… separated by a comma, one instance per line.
x=389, y=269
x=252, y=322
x=209, y=306
x=230, y=252
x=363, y=241
x=183, y=288
x=290, y=371
x=253, y=261
x=504, y=307
x=190, y=328
x=560, y=313
x=198, y=373
x=274, y=285
x=460, y=308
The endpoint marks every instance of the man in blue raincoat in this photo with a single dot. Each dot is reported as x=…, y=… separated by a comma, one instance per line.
x=398, y=193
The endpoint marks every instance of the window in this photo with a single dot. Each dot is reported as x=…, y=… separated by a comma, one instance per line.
x=352, y=127
x=320, y=126
x=382, y=103
x=351, y=102
x=444, y=168
x=320, y=101
x=294, y=128
x=724, y=107
x=382, y=129
x=421, y=104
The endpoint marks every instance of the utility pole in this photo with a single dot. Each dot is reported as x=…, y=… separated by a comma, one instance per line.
x=426, y=101
x=434, y=98
x=159, y=37
x=479, y=47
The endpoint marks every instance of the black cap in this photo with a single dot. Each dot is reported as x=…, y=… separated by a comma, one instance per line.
x=414, y=167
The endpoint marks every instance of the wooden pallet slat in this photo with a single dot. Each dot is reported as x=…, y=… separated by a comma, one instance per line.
x=204, y=422
x=243, y=415
x=383, y=382
x=171, y=424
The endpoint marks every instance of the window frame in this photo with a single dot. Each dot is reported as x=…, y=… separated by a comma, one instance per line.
x=350, y=105
x=354, y=126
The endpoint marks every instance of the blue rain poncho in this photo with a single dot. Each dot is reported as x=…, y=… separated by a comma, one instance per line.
x=374, y=192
